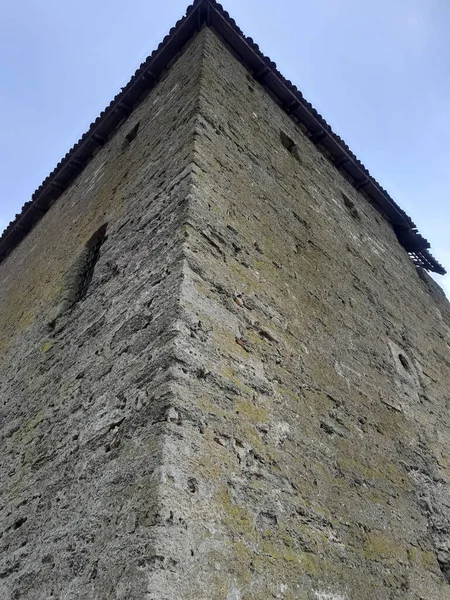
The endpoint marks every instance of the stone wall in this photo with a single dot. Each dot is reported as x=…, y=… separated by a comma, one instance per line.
x=85, y=393
x=315, y=374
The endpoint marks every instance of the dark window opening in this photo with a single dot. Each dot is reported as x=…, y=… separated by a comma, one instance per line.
x=92, y=254
x=290, y=145
x=350, y=205
x=131, y=135
x=404, y=361
x=193, y=486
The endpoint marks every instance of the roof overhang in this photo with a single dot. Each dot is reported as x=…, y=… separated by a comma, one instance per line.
x=210, y=13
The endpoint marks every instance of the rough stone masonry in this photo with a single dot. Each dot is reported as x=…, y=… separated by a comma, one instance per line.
x=251, y=401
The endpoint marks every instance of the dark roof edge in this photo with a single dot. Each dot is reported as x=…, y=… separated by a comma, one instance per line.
x=200, y=13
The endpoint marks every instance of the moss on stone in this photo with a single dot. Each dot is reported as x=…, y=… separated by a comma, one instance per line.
x=46, y=346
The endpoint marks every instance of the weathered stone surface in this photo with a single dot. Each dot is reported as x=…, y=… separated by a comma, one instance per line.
x=252, y=401
x=84, y=397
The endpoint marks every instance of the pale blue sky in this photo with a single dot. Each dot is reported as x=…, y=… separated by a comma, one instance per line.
x=379, y=72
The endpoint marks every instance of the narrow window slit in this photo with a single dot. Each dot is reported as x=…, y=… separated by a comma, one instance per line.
x=290, y=145
x=131, y=135
x=350, y=205
x=91, y=256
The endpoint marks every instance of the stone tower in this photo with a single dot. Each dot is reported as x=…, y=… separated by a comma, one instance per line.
x=224, y=366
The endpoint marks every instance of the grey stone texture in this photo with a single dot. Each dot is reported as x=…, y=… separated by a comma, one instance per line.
x=251, y=402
